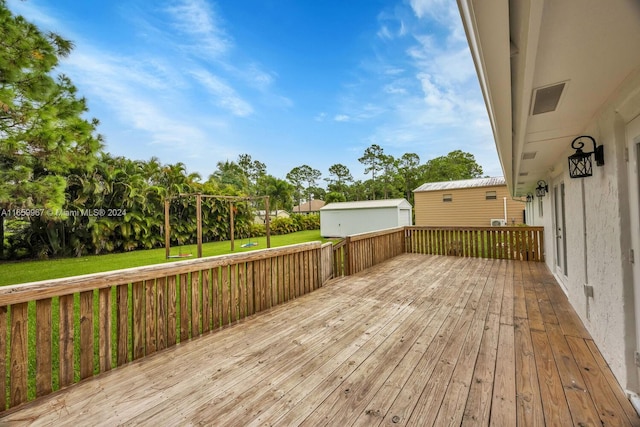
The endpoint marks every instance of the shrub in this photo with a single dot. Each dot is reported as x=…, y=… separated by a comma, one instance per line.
x=306, y=222
x=310, y=222
x=256, y=230
x=283, y=226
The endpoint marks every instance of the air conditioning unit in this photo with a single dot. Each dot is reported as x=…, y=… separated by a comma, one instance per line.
x=498, y=222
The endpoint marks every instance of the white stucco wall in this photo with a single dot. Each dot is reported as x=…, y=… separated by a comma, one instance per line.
x=598, y=242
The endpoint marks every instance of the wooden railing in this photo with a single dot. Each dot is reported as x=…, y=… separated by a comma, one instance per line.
x=516, y=243
x=326, y=264
x=59, y=332
x=55, y=333
x=368, y=249
x=360, y=251
x=340, y=258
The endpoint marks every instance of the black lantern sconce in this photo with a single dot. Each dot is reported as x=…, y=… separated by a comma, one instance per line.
x=542, y=188
x=580, y=165
x=529, y=197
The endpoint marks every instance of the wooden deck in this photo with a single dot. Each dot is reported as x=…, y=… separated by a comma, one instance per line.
x=417, y=340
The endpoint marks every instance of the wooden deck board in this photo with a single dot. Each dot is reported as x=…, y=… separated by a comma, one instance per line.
x=556, y=409
x=528, y=401
x=452, y=409
x=503, y=406
x=280, y=381
x=417, y=340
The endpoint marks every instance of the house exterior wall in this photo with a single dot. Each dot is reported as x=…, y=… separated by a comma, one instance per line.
x=468, y=207
x=598, y=241
x=344, y=222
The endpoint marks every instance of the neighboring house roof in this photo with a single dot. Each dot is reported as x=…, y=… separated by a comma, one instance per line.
x=315, y=206
x=367, y=204
x=463, y=183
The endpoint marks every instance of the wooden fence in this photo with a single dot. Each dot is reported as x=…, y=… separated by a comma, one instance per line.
x=58, y=332
x=516, y=243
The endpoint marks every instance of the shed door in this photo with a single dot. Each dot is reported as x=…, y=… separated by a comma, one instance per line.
x=405, y=217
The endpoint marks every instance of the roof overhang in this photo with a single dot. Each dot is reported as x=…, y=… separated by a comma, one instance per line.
x=523, y=50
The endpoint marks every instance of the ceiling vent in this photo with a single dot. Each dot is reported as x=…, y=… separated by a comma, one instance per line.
x=546, y=99
x=529, y=155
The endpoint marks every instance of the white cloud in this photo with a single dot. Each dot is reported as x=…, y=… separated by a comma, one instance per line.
x=35, y=13
x=258, y=78
x=127, y=90
x=384, y=33
x=403, y=29
x=224, y=95
x=197, y=19
x=440, y=10
x=342, y=118
x=395, y=88
x=393, y=71
x=427, y=86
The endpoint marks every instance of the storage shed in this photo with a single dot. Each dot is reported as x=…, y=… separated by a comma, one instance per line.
x=347, y=218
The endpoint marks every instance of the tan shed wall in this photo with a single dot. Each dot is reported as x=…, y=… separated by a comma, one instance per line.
x=468, y=208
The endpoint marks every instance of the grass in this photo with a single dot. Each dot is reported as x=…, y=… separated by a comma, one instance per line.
x=32, y=271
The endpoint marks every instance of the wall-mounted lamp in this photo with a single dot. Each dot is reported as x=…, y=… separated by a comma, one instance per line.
x=580, y=165
x=542, y=188
x=529, y=197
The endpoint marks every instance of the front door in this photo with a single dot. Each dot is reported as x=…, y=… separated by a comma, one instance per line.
x=560, y=230
x=633, y=147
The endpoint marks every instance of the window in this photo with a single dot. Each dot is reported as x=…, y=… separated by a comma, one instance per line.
x=491, y=195
x=447, y=197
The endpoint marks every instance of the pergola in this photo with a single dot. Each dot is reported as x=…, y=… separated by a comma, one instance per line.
x=199, y=197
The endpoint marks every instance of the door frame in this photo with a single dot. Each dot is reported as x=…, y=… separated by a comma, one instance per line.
x=558, y=219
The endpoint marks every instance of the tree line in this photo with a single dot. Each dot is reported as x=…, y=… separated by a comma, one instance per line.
x=62, y=194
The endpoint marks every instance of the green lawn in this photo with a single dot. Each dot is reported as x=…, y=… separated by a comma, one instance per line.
x=32, y=271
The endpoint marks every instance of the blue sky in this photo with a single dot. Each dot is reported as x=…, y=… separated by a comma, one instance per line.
x=290, y=82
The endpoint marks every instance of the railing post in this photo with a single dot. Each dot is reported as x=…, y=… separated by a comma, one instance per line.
x=199, y=223
x=406, y=240
x=347, y=256
x=167, y=229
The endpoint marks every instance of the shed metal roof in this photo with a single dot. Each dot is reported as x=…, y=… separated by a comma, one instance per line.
x=463, y=183
x=366, y=204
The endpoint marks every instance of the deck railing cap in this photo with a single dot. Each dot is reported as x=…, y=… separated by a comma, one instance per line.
x=12, y=294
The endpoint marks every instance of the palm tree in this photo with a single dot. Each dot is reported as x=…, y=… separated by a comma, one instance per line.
x=279, y=192
x=230, y=174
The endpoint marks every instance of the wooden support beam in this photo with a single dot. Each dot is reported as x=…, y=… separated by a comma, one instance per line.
x=1, y=236
x=266, y=221
x=199, y=223
x=167, y=230
x=231, y=229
